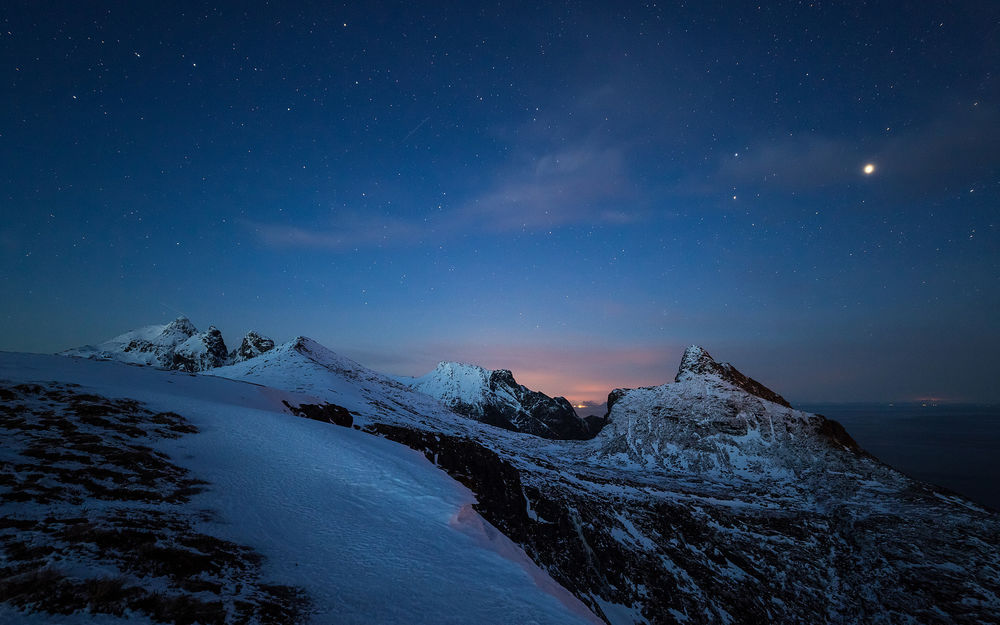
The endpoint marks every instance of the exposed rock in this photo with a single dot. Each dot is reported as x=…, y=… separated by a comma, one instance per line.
x=253, y=345
x=697, y=362
x=177, y=345
x=199, y=353
x=595, y=423
x=324, y=413
x=495, y=397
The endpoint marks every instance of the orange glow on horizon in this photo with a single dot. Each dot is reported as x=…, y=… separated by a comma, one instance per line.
x=581, y=393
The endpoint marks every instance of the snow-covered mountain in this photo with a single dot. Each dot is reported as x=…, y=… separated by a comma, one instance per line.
x=494, y=397
x=704, y=500
x=177, y=345
x=716, y=421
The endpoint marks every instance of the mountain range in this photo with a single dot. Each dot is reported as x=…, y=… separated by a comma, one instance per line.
x=708, y=499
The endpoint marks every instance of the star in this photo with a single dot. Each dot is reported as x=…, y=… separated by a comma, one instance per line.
x=869, y=169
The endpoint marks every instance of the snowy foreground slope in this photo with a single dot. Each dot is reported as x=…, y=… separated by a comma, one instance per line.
x=205, y=499
x=706, y=500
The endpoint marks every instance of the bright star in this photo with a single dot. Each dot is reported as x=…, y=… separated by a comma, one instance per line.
x=869, y=169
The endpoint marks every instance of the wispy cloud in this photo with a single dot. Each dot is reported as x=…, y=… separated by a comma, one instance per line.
x=343, y=233
x=561, y=172
x=580, y=184
x=955, y=149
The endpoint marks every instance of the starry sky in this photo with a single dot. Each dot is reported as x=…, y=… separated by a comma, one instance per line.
x=571, y=190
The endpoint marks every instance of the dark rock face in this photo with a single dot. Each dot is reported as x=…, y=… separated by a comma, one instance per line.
x=834, y=431
x=697, y=361
x=207, y=351
x=324, y=413
x=495, y=397
x=613, y=397
x=253, y=345
x=537, y=413
x=595, y=423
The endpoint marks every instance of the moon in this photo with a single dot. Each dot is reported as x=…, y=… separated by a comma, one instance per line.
x=869, y=169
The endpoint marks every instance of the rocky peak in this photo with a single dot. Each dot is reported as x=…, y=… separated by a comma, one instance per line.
x=215, y=344
x=181, y=325
x=502, y=377
x=697, y=362
x=199, y=352
x=495, y=397
x=253, y=345
x=307, y=346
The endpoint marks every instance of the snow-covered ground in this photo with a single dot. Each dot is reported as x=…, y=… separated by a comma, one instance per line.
x=371, y=530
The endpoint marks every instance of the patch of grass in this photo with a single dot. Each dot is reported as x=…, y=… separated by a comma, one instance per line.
x=74, y=448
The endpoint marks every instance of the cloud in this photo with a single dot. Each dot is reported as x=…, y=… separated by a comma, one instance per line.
x=581, y=184
x=564, y=169
x=344, y=233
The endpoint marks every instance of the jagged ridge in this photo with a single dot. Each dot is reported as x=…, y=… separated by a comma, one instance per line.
x=177, y=345
x=495, y=397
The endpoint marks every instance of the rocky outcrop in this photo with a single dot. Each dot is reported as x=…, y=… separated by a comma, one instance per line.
x=200, y=352
x=178, y=346
x=253, y=345
x=495, y=397
x=697, y=362
x=595, y=423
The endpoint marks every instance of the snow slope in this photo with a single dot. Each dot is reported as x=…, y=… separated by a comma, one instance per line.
x=368, y=528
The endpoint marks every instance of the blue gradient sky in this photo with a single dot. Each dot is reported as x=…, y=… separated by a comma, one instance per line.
x=574, y=192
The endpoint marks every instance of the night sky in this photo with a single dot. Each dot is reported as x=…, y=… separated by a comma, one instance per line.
x=574, y=191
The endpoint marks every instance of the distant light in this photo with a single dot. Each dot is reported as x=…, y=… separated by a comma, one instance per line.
x=869, y=169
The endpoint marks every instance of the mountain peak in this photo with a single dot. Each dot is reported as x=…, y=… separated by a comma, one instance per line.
x=504, y=377
x=308, y=346
x=181, y=325
x=254, y=344
x=697, y=362
x=447, y=366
